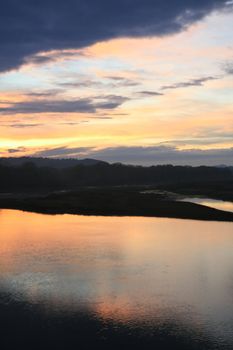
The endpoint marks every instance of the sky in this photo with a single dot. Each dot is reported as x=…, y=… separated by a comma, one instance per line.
x=139, y=82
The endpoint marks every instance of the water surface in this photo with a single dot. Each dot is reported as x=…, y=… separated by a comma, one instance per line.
x=212, y=203
x=162, y=281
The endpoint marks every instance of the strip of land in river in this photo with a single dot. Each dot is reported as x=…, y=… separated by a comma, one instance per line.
x=118, y=201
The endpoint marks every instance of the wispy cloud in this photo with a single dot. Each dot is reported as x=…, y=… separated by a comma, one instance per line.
x=52, y=56
x=122, y=82
x=106, y=82
x=189, y=83
x=20, y=125
x=45, y=93
x=77, y=84
x=63, y=152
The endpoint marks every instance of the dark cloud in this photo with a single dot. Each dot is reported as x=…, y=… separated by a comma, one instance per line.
x=16, y=150
x=189, y=83
x=228, y=68
x=83, y=105
x=150, y=93
x=110, y=102
x=164, y=155
x=29, y=27
x=160, y=154
x=22, y=126
x=115, y=78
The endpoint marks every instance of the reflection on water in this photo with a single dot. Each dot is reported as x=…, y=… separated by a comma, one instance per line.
x=134, y=272
x=212, y=203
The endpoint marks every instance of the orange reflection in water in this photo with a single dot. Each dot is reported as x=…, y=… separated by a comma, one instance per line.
x=119, y=267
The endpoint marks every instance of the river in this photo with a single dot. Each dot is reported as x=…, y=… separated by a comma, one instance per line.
x=152, y=281
x=212, y=203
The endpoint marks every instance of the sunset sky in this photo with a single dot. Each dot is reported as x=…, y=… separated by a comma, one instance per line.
x=141, y=82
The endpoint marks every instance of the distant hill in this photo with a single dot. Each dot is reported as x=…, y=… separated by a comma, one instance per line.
x=48, y=162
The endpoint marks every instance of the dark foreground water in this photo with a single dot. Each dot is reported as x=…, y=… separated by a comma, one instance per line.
x=74, y=282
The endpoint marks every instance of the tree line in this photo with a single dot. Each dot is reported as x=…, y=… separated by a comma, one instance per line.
x=29, y=176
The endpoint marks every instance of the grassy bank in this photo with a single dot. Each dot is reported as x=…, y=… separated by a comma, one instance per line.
x=114, y=202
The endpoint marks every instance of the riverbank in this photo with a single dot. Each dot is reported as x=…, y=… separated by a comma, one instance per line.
x=114, y=202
